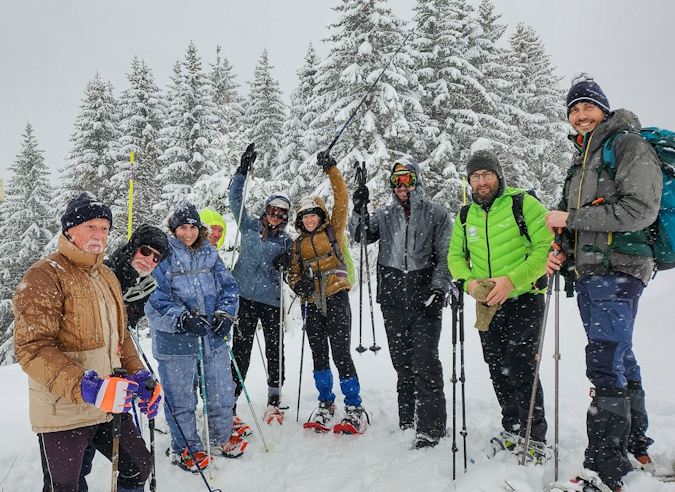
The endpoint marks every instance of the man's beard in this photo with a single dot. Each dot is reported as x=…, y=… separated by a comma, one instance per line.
x=486, y=199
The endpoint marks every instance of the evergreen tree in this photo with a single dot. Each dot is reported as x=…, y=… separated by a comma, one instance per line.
x=96, y=150
x=25, y=226
x=191, y=134
x=144, y=111
x=265, y=116
x=541, y=118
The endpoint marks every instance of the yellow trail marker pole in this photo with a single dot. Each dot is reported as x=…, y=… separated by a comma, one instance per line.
x=464, y=190
x=131, y=196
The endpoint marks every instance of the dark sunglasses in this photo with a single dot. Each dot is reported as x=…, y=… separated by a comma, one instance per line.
x=277, y=212
x=146, y=251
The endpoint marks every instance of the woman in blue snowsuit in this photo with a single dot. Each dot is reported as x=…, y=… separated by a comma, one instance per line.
x=262, y=240
x=194, y=289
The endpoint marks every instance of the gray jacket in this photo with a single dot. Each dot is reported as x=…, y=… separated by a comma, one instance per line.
x=630, y=202
x=412, y=261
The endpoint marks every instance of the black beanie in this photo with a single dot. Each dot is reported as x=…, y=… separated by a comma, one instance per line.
x=584, y=88
x=185, y=213
x=483, y=159
x=83, y=208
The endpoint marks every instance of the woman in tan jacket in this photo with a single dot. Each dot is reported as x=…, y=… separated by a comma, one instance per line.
x=318, y=274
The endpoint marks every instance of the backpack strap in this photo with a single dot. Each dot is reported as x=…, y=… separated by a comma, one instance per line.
x=333, y=241
x=517, y=207
x=463, y=214
x=608, y=155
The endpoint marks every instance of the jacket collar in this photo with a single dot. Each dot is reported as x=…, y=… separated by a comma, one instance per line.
x=81, y=259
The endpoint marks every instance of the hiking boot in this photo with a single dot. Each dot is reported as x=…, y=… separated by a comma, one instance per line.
x=240, y=428
x=423, y=441
x=537, y=452
x=355, y=421
x=235, y=447
x=185, y=461
x=321, y=417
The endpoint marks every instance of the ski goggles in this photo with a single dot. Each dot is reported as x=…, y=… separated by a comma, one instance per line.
x=146, y=251
x=277, y=212
x=403, y=178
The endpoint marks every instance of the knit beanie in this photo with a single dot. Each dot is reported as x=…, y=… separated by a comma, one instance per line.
x=83, y=208
x=185, y=213
x=584, y=88
x=484, y=159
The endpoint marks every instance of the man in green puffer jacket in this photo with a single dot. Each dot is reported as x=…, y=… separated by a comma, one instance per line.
x=511, y=262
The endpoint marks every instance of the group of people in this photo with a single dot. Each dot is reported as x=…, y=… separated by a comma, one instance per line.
x=72, y=311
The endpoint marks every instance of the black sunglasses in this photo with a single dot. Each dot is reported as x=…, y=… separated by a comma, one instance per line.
x=146, y=251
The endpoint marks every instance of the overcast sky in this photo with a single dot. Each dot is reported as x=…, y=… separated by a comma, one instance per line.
x=49, y=50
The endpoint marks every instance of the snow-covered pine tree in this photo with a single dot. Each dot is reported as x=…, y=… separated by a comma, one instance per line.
x=25, y=225
x=191, y=135
x=93, y=159
x=295, y=165
x=143, y=110
x=541, y=116
x=363, y=41
x=265, y=116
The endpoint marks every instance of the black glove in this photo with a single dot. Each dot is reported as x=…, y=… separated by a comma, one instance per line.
x=361, y=198
x=433, y=305
x=247, y=159
x=305, y=286
x=195, y=323
x=221, y=323
x=324, y=160
x=283, y=260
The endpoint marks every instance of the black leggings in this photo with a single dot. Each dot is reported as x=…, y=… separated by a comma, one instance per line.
x=61, y=453
x=335, y=328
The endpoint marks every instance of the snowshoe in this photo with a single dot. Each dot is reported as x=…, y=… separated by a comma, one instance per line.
x=240, y=428
x=235, y=447
x=645, y=464
x=320, y=418
x=586, y=481
x=423, y=441
x=273, y=415
x=355, y=422
x=185, y=461
x=537, y=452
x=506, y=441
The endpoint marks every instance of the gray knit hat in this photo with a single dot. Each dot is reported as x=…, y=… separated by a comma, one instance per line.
x=484, y=159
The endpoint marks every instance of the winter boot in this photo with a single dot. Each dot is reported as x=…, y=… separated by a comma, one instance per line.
x=239, y=427
x=507, y=441
x=423, y=441
x=355, y=422
x=185, y=461
x=320, y=418
x=235, y=447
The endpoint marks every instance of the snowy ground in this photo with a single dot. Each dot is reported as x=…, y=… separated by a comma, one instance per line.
x=381, y=459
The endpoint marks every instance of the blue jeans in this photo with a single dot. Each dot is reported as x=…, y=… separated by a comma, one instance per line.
x=608, y=305
x=180, y=379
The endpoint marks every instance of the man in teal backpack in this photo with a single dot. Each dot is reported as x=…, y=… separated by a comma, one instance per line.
x=505, y=265
x=596, y=213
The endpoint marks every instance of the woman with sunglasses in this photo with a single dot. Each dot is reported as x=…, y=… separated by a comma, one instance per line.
x=412, y=279
x=318, y=274
x=189, y=331
x=262, y=239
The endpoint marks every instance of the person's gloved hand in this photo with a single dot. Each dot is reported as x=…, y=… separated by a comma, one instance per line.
x=111, y=394
x=195, y=323
x=247, y=159
x=221, y=323
x=433, y=306
x=305, y=286
x=283, y=260
x=150, y=393
x=324, y=160
x=361, y=198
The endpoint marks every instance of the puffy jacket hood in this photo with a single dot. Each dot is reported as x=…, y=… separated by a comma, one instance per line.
x=211, y=218
x=308, y=203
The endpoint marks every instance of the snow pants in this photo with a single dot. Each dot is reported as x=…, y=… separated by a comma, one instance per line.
x=249, y=314
x=332, y=333
x=413, y=346
x=509, y=349
x=617, y=417
x=180, y=379
x=61, y=454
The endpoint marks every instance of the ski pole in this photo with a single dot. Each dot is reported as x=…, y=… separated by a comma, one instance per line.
x=540, y=348
x=116, y=433
x=281, y=327
x=302, y=355
x=202, y=379
x=360, y=179
x=243, y=200
x=166, y=402
x=131, y=195
x=455, y=311
x=374, y=347
x=462, y=375
x=150, y=384
x=556, y=356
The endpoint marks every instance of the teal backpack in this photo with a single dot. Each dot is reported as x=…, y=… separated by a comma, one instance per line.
x=657, y=240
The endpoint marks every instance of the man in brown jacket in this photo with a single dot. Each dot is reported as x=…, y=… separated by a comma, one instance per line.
x=70, y=327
